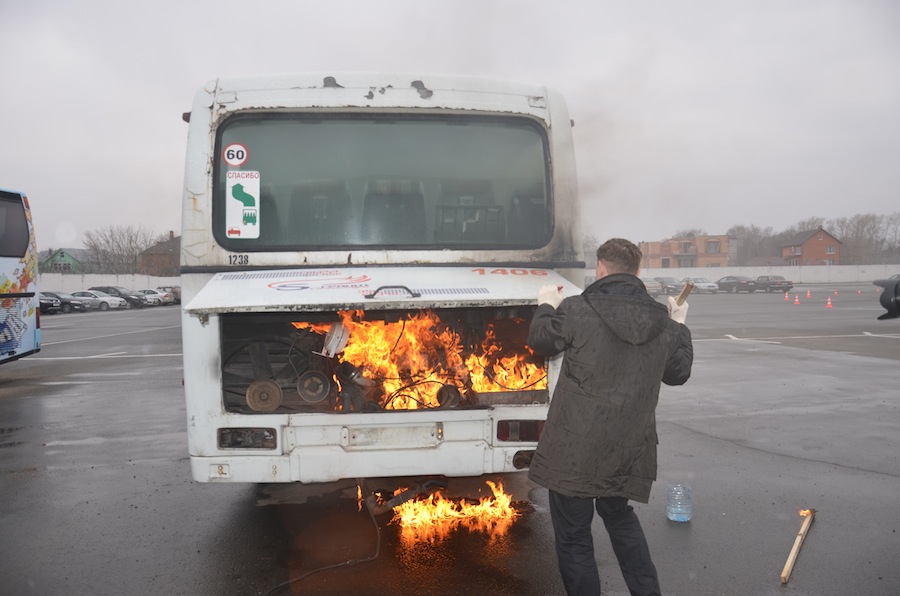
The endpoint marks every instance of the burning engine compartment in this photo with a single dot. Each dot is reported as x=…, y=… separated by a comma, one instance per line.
x=370, y=361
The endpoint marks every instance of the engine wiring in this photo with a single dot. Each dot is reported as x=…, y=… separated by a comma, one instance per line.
x=298, y=360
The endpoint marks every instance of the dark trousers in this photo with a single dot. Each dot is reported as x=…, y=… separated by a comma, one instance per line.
x=572, y=516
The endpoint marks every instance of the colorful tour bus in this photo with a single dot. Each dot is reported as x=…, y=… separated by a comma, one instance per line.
x=20, y=324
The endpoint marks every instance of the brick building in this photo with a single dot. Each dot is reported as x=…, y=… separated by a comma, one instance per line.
x=693, y=251
x=812, y=247
x=163, y=258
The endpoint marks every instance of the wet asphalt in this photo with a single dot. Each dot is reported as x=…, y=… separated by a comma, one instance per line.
x=790, y=406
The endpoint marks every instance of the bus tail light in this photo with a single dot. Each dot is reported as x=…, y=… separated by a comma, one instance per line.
x=519, y=430
x=247, y=438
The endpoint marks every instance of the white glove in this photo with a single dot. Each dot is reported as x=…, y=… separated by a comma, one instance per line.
x=551, y=295
x=677, y=313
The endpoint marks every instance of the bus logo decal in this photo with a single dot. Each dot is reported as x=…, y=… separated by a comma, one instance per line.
x=242, y=211
x=298, y=285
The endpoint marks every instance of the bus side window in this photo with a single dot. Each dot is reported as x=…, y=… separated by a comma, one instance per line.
x=13, y=230
x=270, y=231
x=466, y=212
x=528, y=219
x=394, y=213
x=321, y=213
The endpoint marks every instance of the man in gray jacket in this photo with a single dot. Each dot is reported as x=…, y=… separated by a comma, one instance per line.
x=598, y=446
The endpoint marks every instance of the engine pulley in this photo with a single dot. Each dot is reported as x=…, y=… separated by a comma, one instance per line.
x=313, y=386
x=264, y=395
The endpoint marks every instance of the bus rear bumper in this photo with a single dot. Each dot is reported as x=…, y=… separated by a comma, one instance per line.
x=328, y=463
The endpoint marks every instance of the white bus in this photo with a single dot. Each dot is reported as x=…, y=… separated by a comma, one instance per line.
x=20, y=319
x=360, y=261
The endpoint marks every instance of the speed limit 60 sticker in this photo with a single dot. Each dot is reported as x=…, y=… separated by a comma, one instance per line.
x=235, y=155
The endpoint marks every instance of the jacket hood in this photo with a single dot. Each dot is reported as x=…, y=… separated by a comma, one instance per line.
x=622, y=302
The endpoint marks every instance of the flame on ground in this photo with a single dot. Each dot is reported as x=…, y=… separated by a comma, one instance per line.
x=805, y=512
x=434, y=517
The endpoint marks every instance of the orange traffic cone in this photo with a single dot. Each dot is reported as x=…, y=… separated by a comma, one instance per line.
x=829, y=303
x=787, y=296
x=797, y=299
x=808, y=295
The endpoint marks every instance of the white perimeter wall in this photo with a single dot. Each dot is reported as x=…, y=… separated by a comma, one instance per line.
x=806, y=275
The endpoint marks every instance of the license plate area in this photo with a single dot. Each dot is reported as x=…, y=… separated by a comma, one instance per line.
x=394, y=437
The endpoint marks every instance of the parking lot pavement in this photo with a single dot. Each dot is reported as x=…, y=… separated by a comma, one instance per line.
x=789, y=407
x=807, y=415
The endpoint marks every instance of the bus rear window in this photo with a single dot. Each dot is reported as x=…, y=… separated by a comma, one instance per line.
x=13, y=226
x=395, y=181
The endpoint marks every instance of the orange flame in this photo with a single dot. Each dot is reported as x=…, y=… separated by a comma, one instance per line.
x=492, y=368
x=434, y=517
x=805, y=512
x=415, y=357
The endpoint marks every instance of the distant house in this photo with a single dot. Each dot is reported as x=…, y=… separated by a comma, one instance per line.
x=812, y=247
x=163, y=258
x=692, y=251
x=67, y=260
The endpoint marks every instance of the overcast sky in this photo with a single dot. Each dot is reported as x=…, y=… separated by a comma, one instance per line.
x=688, y=114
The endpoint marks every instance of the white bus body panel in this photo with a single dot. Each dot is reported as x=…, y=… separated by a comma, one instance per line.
x=365, y=92
x=312, y=449
x=375, y=288
x=319, y=447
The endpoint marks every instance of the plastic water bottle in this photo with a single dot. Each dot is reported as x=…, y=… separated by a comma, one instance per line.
x=678, y=502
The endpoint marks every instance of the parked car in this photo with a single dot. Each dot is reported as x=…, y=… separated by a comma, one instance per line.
x=737, y=283
x=670, y=285
x=701, y=285
x=162, y=297
x=890, y=297
x=773, y=283
x=49, y=305
x=134, y=299
x=151, y=299
x=69, y=303
x=101, y=300
x=174, y=290
x=654, y=288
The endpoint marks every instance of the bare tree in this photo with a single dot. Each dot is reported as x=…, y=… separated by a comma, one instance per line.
x=809, y=224
x=117, y=249
x=891, y=252
x=753, y=242
x=862, y=236
x=690, y=233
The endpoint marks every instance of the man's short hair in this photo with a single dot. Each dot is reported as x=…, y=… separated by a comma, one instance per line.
x=620, y=256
